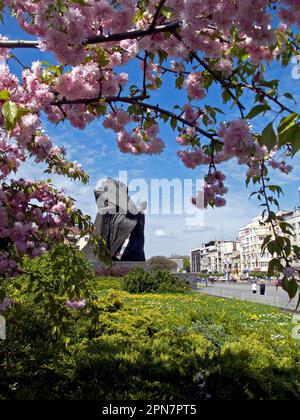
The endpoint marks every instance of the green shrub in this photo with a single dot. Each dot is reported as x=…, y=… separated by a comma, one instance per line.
x=140, y=281
x=51, y=282
x=106, y=283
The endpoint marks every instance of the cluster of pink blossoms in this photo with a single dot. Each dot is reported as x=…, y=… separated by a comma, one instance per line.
x=117, y=120
x=214, y=191
x=194, y=86
x=24, y=226
x=194, y=158
x=10, y=158
x=282, y=166
x=239, y=142
x=64, y=31
x=187, y=136
x=76, y=304
x=141, y=141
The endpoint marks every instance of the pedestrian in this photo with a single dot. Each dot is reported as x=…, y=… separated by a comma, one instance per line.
x=262, y=289
x=277, y=284
x=254, y=288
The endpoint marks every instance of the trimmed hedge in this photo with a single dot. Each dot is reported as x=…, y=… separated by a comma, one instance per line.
x=140, y=281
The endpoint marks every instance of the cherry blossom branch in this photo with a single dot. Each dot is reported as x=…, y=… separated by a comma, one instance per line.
x=222, y=82
x=100, y=39
x=166, y=69
x=157, y=13
x=262, y=92
x=145, y=64
x=135, y=101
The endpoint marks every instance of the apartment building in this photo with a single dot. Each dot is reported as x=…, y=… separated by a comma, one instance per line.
x=293, y=218
x=252, y=237
x=216, y=257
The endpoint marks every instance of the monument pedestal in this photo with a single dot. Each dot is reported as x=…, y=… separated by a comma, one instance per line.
x=88, y=250
x=130, y=265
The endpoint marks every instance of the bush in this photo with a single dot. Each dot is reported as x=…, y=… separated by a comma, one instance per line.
x=113, y=271
x=52, y=282
x=140, y=281
x=107, y=283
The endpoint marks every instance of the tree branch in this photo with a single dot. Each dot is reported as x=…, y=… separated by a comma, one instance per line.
x=168, y=27
x=259, y=91
x=157, y=13
x=135, y=101
x=222, y=82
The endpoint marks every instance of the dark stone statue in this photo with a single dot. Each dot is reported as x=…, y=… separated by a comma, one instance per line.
x=118, y=219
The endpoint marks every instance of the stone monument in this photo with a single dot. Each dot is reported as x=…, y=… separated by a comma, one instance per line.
x=119, y=220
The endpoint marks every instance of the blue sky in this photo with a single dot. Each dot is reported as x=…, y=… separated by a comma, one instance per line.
x=96, y=149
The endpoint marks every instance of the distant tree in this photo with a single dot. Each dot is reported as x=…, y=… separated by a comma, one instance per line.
x=161, y=263
x=186, y=264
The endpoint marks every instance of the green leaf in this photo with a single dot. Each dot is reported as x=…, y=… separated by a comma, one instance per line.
x=4, y=95
x=1, y=11
x=274, y=265
x=295, y=143
x=103, y=60
x=258, y=109
x=268, y=137
x=290, y=286
x=289, y=96
x=296, y=249
x=287, y=122
x=173, y=123
x=10, y=114
x=265, y=243
x=290, y=136
x=180, y=81
x=166, y=12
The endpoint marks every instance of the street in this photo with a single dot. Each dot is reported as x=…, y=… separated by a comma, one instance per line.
x=241, y=291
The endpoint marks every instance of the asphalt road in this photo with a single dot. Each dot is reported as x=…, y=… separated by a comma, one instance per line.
x=277, y=298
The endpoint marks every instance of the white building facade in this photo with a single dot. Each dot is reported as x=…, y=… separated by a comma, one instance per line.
x=293, y=218
x=216, y=257
x=252, y=237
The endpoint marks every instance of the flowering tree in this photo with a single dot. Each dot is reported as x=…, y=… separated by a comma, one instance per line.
x=201, y=43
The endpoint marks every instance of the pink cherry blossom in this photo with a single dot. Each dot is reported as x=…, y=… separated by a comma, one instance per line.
x=75, y=305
